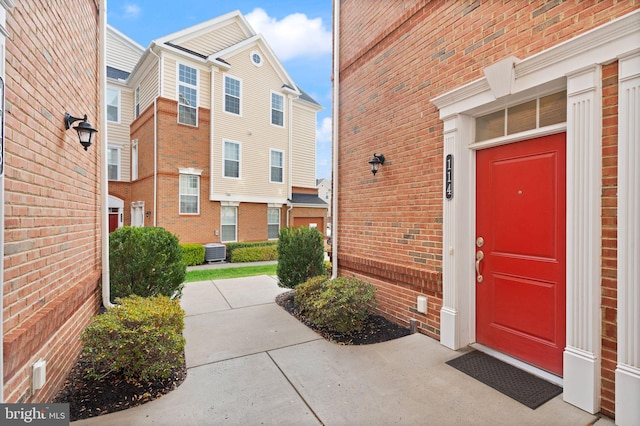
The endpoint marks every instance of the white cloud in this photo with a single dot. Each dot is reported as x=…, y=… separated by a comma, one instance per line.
x=131, y=11
x=324, y=131
x=294, y=36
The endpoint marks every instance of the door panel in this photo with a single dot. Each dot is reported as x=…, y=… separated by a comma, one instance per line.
x=521, y=208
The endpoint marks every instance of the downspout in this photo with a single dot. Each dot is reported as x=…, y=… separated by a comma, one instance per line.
x=104, y=182
x=335, y=120
x=6, y=5
x=155, y=160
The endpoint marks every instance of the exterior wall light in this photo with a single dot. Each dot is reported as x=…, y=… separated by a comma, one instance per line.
x=376, y=162
x=85, y=130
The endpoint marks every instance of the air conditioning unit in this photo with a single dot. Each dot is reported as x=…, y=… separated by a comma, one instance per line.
x=214, y=252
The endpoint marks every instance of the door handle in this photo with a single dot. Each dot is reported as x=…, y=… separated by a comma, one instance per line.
x=479, y=257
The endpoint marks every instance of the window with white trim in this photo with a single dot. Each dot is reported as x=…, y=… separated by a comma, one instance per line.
x=136, y=102
x=228, y=223
x=273, y=223
x=189, y=194
x=113, y=105
x=113, y=163
x=231, y=159
x=187, y=95
x=276, y=166
x=277, y=109
x=232, y=92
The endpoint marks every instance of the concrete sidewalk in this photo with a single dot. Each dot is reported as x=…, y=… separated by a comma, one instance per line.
x=251, y=363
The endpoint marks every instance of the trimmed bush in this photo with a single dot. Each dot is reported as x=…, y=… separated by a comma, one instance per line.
x=140, y=337
x=255, y=254
x=231, y=247
x=342, y=304
x=300, y=255
x=192, y=254
x=145, y=261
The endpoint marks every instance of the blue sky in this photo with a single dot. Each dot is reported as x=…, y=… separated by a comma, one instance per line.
x=299, y=32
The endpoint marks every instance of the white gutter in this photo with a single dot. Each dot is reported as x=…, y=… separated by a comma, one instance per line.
x=104, y=182
x=335, y=115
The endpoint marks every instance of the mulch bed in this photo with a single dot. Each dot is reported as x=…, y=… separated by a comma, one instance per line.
x=376, y=329
x=114, y=392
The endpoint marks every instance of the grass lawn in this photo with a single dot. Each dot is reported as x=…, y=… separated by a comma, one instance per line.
x=222, y=273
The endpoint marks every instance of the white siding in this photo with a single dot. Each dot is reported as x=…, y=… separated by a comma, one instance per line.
x=120, y=54
x=304, y=147
x=216, y=40
x=253, y=129
x=119, y=133
x=148, y=88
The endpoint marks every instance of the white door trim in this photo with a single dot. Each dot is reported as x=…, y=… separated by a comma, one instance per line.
x=574, y=63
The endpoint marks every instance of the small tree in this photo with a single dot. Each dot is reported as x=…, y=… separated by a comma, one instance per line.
x=300, y=255
x=145, y=261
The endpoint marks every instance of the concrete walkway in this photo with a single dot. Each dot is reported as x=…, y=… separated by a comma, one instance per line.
x=251, y=363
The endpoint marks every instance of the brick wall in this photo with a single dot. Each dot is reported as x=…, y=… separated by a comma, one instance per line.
x=394, y=58
x=52, y=191
x=609, y=234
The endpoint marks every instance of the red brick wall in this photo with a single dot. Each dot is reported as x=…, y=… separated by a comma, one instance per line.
x=395, y=58
x=609, y=234
x=52, y=191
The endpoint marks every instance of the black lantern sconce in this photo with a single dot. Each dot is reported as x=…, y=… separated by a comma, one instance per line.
x=376, y=162
x=85, y=130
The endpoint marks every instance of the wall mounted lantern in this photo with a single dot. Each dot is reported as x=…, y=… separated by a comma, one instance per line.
x=376, y=162
x=85, y=130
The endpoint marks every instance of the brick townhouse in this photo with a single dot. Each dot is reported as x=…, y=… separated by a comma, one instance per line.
x=209, y=137
x=53, y=189
x=508, y=195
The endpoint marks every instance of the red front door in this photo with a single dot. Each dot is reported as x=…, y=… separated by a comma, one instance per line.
x=520, y=207
x=113, y=222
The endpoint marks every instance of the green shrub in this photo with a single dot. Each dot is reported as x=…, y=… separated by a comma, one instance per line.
x=231, y=247
x=255, y=254
x=140, y=337
x=192, y=254
x=300, y=255
x=145, y=261
x=342, y=304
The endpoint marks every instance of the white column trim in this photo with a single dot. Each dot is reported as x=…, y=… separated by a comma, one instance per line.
x=628, y=368
x=584, y=233
x=457, y=315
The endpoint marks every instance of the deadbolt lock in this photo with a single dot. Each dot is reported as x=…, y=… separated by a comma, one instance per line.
x=479, y=241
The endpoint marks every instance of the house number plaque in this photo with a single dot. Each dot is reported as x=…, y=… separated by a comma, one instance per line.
x=448, y=189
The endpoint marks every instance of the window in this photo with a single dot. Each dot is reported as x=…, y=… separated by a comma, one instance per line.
x=136, y=101
x=231, y=95
x=228, y=221
x=113, y=163
x=231, y=159
x=189, y=194
x=277, y=166
x=273, y=223
x=187, y=95
x=277, y=109
x=113, y=105
x=256, y=58
x=541, y=112
x=134, y=160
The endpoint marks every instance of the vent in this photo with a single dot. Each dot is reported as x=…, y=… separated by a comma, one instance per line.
x=214, y=252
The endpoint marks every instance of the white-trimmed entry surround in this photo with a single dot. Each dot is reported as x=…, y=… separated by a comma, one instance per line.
x=574, y=65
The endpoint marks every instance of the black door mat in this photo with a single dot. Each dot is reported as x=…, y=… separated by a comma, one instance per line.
x=524, y=387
